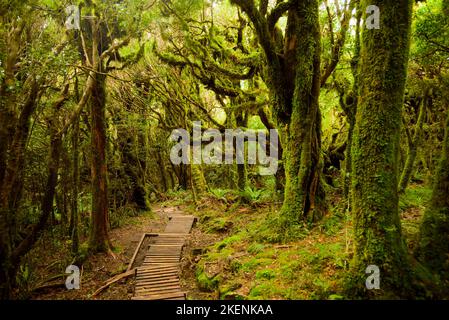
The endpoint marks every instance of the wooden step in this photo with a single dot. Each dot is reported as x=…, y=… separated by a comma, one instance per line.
x=161, y=296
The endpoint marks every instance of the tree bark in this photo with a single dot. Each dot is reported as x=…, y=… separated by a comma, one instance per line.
x=303, y=196
x=74, y=217
x=294, y=80
x=99, y=239
x=11, y=190
x=377, y=228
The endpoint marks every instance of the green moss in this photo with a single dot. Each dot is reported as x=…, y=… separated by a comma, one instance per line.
x=377, y=231
x=228, y=291
x=205, y=283
x=221, y=224
x=265, y=274
x=229, y=240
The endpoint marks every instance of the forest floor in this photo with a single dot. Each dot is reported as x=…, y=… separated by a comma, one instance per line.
x=232, y=253
x=243, y=257
x=51, y=257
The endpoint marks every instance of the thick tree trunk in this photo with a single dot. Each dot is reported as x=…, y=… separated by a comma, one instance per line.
x=433, y=246
x=99, y=239
x=377, y=228
x=11, y=190
x=303, y=196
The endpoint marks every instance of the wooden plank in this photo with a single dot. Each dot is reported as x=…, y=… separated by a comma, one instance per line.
x=160, y=264
x=160, y=273
x=136, y=252
x=167, y=287
x=158, y=289
x=157, y=292
x=167, y=234
x=162, y=296
x=163, y=245
x=156, y=269
x=158, y=278
x=169, y=251
x=156, y=283
x=160, y=252
x=172, y=276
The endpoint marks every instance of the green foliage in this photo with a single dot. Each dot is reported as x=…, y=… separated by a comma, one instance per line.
x=251, y=195
x=265, y=274
x=415, y=196
x=255, y=248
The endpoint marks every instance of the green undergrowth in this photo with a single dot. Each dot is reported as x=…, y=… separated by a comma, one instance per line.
x=412, y=204
x=251, y=262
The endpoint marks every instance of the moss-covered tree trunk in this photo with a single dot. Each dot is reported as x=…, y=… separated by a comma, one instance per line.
x=377, y=228
x=350, y=107
x=241, y=121
x=303, y=138
x=198, y=182
x=74, y=216
x=11, y=186
x=293, y=76
x=413, y=144
x=433, y=246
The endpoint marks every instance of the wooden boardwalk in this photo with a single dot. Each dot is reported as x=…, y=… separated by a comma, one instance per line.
x=158, y=276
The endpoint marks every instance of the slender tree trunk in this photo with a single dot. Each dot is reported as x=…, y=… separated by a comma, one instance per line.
x=74, y=218
x=413, y=144
x=351, y=107
x=99, y=239
x=433, y=245
x=377, y=228
x=241, y=168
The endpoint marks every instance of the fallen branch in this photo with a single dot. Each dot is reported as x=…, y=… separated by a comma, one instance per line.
x=136, y=252
x=49, y=286
x=114, y=280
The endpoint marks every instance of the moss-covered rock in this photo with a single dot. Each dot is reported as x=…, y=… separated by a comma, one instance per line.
x=207, y=283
